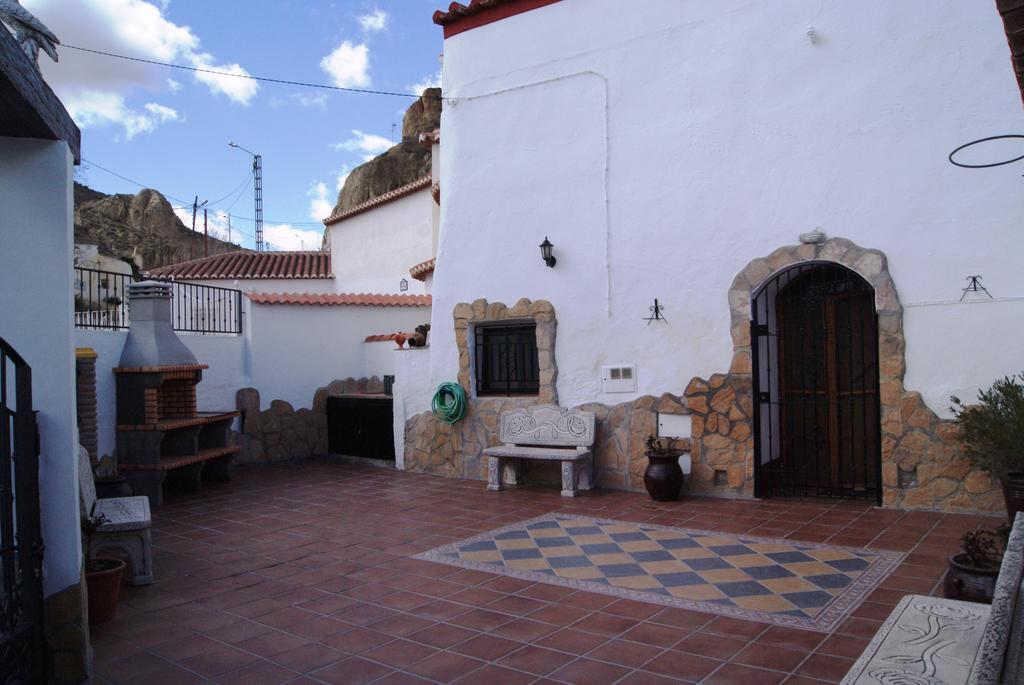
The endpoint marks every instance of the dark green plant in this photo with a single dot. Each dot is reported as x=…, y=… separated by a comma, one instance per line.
x=982, y=548
x=992, y=431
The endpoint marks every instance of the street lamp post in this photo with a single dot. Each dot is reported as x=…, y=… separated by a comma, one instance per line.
x=257, y=180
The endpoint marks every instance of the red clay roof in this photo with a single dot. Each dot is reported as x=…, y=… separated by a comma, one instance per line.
x=1012, y=12
x=423, y=269
x=342, y=299
x=461, y=17
x=244, y=265
x=383, y=199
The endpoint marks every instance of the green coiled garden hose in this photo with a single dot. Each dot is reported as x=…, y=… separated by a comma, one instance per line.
x=449, y=403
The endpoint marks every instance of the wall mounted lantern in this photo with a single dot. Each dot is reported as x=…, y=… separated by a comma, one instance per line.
x=545, y=252
x=403, y=285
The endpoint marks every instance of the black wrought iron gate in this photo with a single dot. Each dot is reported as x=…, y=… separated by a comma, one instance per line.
x=22, y=640
x=817, y=430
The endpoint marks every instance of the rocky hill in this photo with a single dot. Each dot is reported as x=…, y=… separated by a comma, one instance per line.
x=404, y=163
x=141, y=229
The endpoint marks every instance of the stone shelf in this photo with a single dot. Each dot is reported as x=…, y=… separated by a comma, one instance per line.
x=168, y=463
x=175, y=424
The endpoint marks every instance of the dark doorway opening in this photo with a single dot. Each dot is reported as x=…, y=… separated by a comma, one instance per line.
x=361, y=426
x=817, y=422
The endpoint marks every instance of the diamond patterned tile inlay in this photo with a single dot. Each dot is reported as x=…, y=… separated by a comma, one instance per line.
x=789, y=583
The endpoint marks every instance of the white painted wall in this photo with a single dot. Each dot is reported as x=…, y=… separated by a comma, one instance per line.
x=272, y=285
x=662, y=150
x=36, y=211
x=371, y=252
x=296, y=349
x=378, y=358
x=412, y=392
x=226, y=355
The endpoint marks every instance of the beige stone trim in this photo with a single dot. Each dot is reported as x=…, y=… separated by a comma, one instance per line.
x=917, y=447
x=482, y=311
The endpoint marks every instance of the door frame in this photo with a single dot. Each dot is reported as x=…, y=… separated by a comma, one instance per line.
x=766, y=350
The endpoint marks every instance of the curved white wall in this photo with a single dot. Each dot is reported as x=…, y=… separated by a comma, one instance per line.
x=663, y=149
x=35, y=318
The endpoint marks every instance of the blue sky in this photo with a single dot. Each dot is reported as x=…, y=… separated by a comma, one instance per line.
x=168, y=129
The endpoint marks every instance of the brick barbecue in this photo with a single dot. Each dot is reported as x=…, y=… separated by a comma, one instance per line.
x=159, y=428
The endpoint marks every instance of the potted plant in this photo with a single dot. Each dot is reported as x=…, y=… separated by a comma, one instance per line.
x=972, y=573
x=108, y=482
x=663, y=478
x=992, y=433
x=102, y=576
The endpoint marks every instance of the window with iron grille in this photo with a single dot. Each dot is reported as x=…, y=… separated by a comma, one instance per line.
x=506, y=359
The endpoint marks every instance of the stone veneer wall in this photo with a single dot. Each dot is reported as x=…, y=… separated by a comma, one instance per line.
x=922, y=465
x=282, y=432
x=456, y=450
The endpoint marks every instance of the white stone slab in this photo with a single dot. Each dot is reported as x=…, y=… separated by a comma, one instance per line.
x=925, y=641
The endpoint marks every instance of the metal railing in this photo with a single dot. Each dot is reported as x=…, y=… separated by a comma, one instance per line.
x=101, y=302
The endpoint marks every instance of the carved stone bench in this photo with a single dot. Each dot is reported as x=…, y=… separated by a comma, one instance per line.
x=935, y=641
x=126, y=522
x=544, y=432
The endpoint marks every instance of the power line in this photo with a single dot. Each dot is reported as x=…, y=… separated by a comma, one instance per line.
x=237, y=189
x=188, y=203
x=141, y=185
x=288, y=82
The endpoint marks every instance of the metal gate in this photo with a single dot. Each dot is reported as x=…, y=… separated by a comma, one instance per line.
x=22, y=640
x=817, y=422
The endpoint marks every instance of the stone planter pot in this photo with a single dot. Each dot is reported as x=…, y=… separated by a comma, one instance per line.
x=663, y=477
x=1013, y=494
x=103, y=580
x=967, y=583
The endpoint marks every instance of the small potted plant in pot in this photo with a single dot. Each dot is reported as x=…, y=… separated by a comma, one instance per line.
x=663, y=477
x=992, y=433
x=972, y=573
x=102, y=576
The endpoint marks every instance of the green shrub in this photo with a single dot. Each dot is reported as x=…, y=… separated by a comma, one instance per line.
x=992, y=431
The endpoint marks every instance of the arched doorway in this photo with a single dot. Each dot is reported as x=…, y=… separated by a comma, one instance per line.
x=814, y=344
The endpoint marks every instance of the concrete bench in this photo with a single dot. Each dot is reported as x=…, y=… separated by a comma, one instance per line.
x=126, y=522
x=935, y=641
x=548, y=433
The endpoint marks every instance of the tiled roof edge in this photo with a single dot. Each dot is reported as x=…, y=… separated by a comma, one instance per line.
x=382, y=199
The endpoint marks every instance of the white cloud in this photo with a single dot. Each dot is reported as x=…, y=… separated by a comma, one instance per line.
x=320, y=207
x=287, y=237
x=426, y=82
x=240, y=90
x=368, y=143
x=348, y=65
x=130, y=27
x=318, y=100
x=97, y=108
x=342, y=177
x=377, y=20
x=216, y=223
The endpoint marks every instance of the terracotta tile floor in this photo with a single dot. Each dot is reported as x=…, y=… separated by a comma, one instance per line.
x=301, y=573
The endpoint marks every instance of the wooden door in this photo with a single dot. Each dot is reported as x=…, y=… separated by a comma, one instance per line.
x=828, y=384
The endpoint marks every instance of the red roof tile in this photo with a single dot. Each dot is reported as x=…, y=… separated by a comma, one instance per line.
x=423, y=269
x=342, y=299
x=383, y=199
x=476, y=13
x=244, y=265
x=1012, y=12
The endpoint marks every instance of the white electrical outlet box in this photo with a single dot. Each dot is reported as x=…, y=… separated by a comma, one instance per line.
x=674, y=425
x=618, y=378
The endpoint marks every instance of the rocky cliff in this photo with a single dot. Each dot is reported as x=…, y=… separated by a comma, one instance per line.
x=403, y=163
x=141, y=229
